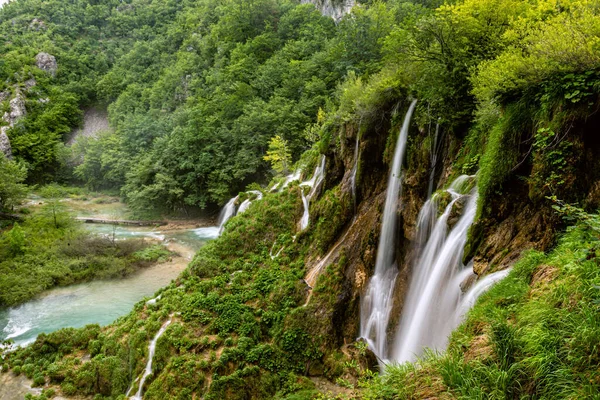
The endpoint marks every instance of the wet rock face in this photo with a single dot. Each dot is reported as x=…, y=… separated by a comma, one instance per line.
x=46, y=62
x=335, y=9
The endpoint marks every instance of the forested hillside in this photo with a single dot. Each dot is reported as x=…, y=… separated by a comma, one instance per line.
x=387, y=169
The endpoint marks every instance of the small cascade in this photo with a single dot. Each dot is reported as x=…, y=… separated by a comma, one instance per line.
x=433, y=159
x=151, y=351
x=314, y=184
x=480, y=287
x=354, y=172
x=434, y=293
x=376, y=304
x=306, y=215
x=226, y=213
x=288, y=179
x=246, y=203
x=275, y=255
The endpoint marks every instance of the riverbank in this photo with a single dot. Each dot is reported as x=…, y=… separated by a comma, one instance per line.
x=49, y=248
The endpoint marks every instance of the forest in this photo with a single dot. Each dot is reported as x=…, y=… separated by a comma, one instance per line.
x=454, y=138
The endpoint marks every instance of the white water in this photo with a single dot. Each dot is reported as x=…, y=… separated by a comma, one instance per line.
x=306, y=214
x=434, y=160
x=480, y=287
x=354, y=172
x=246, y=203
x=227, y=212
x=434, y=290
x=377, y=302
x=288, y=179
x=151, y=351
x=435, y=304
x=314, y=183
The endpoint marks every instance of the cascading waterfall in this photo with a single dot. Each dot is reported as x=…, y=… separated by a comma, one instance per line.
x=433, y=159
x=227, y=212
x=246, y=203
x=377, y=302
x=305, y=215
x=434, y=291
x=354, y=172
x=314, y=183
x=288, y=179
x=151, y=351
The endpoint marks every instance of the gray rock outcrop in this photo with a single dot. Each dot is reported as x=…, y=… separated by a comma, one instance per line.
x=16, y=111
x=46, y=62
x=335, y=9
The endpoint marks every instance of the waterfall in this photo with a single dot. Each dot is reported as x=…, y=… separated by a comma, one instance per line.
x=377, y=302
x=354, y=172
x=306, y=215
x=246, y=203
x=227, y=212
x=288, y=179
x=434, y=293
x=151, y=351
x=433, y=158
x=314, y=183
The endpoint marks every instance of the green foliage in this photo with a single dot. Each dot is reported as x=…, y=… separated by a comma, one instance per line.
x=12, y=190
x=154, y=253
x=278, y=155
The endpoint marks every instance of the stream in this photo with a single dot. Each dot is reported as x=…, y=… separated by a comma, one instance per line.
x=102, y=302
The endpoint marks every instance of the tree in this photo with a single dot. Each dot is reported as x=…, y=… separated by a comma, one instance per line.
x=12, y=190
x=16, y=240
x=278, y=154
x=53, y=207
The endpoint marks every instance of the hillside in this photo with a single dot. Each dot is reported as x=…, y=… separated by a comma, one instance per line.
x=416, y=187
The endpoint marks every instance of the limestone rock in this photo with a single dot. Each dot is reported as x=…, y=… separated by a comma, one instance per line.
x=17, y=110
x=37, y=24
x=46, y=62
x=29, y=83
x=5, y=143
x=335, y=9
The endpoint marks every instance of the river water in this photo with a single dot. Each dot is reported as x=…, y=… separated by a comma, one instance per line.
x=101, y=302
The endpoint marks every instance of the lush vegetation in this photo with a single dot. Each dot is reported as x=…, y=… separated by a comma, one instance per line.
x=209, y=97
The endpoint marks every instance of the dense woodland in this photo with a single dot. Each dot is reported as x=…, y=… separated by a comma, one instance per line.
x=209, y=98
